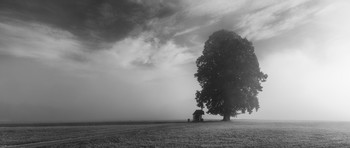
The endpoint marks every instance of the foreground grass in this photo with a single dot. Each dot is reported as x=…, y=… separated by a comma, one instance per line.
x=25, y=135
x=238, y=133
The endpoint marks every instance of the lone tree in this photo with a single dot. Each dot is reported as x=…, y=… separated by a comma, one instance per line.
x=229, y=74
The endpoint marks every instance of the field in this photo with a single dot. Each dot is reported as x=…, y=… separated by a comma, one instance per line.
x=238, y=133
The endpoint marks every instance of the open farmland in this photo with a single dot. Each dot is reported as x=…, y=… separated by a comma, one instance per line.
x=238, y=133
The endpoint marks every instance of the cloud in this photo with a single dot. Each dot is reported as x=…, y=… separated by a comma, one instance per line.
x=91, y=20
x=191, y=25
x=276, y=18
x=97, y=25
x=47, y=45
x=36, y=40
x=61, y=50
x=167, y=34
x=212, y=8
x=252, y=19
x=145, y=51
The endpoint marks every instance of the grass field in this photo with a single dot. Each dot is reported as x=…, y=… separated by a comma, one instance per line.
x=238, y=133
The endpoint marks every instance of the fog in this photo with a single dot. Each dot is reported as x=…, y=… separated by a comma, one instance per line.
x=62, y=64
x=34, y=92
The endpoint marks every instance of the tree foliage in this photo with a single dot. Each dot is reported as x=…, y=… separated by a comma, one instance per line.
x=229, y=75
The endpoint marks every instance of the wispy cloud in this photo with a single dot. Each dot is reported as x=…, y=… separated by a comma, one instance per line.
x=143, y=42
x=146, y=51
x=276, y=18
x=49, y=44
x=256, y=20
x=212, y=8
x=36, y=41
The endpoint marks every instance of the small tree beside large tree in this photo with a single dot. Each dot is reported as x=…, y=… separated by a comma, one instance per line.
x=229, y=75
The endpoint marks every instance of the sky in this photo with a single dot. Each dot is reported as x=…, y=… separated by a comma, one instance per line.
x=106, y=60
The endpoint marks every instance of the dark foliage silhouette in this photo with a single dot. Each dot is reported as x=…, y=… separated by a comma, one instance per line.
x=229, y=74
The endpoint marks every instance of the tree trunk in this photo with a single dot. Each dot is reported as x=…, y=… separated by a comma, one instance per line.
x=227, y=117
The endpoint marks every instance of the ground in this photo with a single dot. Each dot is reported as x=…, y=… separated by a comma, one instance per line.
x=237, y=133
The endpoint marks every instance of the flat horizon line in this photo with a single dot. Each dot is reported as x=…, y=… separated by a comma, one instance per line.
x=138, y=122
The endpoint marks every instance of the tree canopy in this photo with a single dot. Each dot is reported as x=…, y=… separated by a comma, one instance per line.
x=229, y=75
